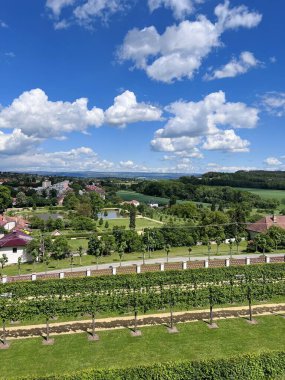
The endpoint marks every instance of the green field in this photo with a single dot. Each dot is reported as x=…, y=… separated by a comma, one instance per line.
x=266, y=194
x=194, y=341
x=140, y=223
x=130, y=195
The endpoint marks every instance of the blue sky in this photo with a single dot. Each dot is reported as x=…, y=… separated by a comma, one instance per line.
x=142, y=85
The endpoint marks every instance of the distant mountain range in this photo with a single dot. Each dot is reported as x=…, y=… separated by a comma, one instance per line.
x=137, y=175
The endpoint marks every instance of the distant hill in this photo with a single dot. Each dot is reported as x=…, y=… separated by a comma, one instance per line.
x=258, y=179
x=136, y=175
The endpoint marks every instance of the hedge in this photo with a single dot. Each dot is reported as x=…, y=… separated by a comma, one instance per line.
x=262, y=366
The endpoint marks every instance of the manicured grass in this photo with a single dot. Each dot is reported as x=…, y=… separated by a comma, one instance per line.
x=91, y=260
x=118, y=349
x=124, y=222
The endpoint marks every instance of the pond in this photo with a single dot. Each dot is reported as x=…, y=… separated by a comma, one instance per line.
x=111, y=214
x=46, y=216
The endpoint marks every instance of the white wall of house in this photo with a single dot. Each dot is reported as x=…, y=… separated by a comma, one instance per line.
x=9, y=226
x=13, y=256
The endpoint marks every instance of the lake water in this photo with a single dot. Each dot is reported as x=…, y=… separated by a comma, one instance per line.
x=112, y=214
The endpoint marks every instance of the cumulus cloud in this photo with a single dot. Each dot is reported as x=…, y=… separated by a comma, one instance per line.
x=37, y=116
x=180, y=8
x=201, y=118
x=198, y=124
x=233, y=18
x=126, y=110
x=235, y=67
x=40, y=118
x=179, y=51
x=272, y=161
x=177, y=144
x=12, y=143
x=226, y=141
x=274, y=103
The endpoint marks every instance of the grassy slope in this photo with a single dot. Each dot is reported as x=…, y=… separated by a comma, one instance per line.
x=267, y=194
x=119, y=349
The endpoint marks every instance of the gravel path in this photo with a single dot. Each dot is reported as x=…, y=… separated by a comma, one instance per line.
x=60, y=328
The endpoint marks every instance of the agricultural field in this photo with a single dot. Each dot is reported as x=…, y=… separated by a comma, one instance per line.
x=130, y=195
x=267, y=194
x=116, y=348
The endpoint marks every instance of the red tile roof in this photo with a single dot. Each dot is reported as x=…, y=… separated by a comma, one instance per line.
x=15, y=239
x=95, y=188
x=264, y=224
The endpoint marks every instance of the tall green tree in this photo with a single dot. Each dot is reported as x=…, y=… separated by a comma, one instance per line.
x=133, y=214
x=97, y=203
x=5, y=198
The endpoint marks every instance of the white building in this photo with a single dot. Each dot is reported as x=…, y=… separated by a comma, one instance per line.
x=14, y=245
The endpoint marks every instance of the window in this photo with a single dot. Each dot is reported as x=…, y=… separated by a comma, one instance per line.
x=14, y=250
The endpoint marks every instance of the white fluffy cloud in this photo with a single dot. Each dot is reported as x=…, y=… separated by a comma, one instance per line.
x=126, y=110
x=12, y=143
x=180, y=8
x=177, y=144
x=236, y=17
x=198, y=124
x=33, y=115
x=274, y=102
x=37, y=116
x=226, y=141
x=272, y=161
x=235, y=67
x=202, y=118
x=178, y=52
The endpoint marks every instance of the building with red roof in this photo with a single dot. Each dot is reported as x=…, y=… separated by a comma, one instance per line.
x=265, y=223
x=13, y=245
x=97, y=189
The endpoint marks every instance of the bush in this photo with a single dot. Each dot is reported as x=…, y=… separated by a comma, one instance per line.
x=264, y=366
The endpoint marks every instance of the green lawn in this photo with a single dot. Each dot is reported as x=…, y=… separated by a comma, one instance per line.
x=91, y=260
x=118, y=349
x=140, y=223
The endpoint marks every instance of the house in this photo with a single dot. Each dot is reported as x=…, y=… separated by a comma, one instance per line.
x=153, y=205
x=13, y=245
x=11, y=222
x=132, y=203
x=97, y=189
x=56, y=233
x=265, y=223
